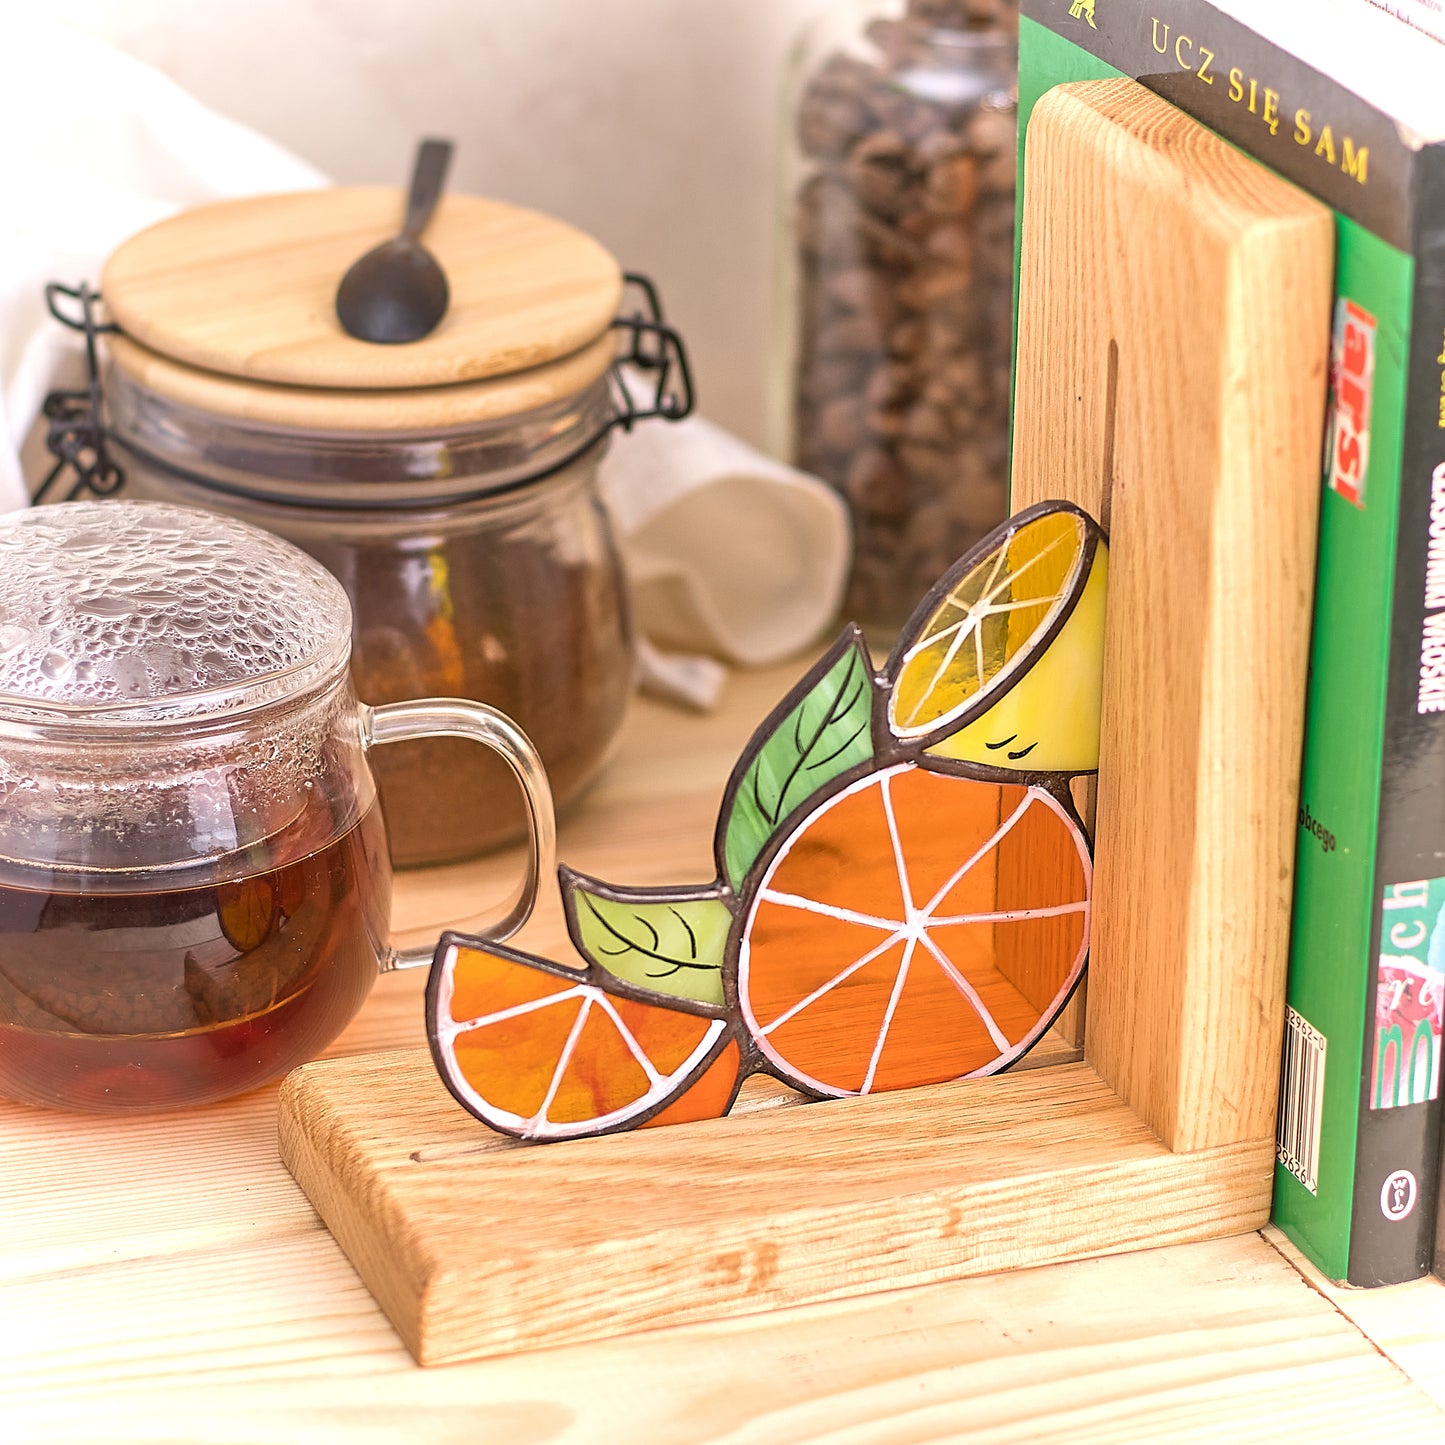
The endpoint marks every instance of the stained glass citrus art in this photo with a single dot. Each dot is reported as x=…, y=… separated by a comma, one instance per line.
x=903, y=892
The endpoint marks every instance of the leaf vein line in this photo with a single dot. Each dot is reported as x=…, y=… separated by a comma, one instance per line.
x=804, y=750
x=629, y=946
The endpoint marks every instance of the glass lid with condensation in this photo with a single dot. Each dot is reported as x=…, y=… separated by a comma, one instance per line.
x=137, y=612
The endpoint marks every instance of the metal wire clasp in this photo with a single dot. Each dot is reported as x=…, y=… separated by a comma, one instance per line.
x=76, y=434
x=651, y=377
x=652, y=348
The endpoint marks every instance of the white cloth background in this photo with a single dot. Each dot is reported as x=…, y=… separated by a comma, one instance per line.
x=731, y=554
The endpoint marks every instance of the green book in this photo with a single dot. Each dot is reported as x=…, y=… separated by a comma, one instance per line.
x=1348, y=103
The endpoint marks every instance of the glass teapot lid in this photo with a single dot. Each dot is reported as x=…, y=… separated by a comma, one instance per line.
x=140, y=613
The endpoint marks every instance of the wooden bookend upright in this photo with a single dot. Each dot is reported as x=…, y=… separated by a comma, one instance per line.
x=1174, y=332
x=1172, y=358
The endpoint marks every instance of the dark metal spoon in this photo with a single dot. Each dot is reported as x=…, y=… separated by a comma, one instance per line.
x=397, y=292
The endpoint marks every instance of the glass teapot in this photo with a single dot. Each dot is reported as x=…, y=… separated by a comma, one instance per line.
x=194, y=879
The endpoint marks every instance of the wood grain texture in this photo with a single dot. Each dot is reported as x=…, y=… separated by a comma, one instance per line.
x=1406, y=1321
x=280, y=1342
x=475, y=1246
x=248, y=288
x=1173, y=344
x=426, y=408
x=164, y=1278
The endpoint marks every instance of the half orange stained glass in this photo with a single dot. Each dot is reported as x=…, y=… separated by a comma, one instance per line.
x=918, y=927
x=542, y=1052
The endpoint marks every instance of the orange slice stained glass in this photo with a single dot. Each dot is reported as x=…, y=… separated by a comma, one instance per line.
x=541, y=1052
x=903, y=883
x=917, y=927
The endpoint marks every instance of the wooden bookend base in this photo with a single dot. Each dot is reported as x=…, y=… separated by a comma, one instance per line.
x=475, y=1245
x=1174, y=320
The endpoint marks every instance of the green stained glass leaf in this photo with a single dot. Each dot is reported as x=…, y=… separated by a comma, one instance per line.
x=822, y=728
x=651, y=938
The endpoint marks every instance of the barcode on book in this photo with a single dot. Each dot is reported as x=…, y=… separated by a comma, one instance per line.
x=1301, y=1100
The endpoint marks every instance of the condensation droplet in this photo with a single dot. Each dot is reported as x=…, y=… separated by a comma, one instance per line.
x=135, y=600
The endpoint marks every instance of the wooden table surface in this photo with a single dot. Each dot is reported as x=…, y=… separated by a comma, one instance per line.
x=163, y=1279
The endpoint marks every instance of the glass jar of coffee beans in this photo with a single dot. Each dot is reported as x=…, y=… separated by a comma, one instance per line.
x=894, y=373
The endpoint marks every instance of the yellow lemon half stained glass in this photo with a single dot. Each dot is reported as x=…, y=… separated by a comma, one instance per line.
x=994, y=614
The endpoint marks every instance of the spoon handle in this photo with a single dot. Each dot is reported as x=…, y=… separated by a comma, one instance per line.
x=428, y=176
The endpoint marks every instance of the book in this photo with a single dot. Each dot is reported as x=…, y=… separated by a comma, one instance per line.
x=1346, y=102
x=1426, y=15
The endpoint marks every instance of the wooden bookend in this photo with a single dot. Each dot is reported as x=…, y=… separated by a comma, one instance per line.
x=1172, y=358
x=1173, y=343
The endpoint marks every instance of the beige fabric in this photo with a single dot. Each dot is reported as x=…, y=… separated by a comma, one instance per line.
x=730, y=552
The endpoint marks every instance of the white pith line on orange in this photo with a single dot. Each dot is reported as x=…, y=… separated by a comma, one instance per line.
x=1000, y=1039
x=538, y=1127
x=829, y=910
x=1011, y=915
x=453, y=1029
x=899, y=862
x=891, y=942
x=893, y=998
x=971, y=623
x=540, y=1117
x=634, y=1048
x=1004, y=829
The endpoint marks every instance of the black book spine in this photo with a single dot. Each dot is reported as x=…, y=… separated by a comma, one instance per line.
x=1397, y=1160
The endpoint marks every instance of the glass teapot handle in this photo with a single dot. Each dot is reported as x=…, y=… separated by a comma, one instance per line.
x=451, y=717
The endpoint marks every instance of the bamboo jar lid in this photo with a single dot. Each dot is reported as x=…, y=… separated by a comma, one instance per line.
x=231, y=307
x=312, y=408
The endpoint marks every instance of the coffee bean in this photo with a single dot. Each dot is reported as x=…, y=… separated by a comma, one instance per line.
x=855, y=335
x=952, y=242
x=927, y=423
x=829, y=126
x=1001, y=171
x=908, y=337
x=876, y=485
x=905, y=242
x=828, y=377
x=889, y=384
x=840, y=425
x=991, y=131
x=951, y=186
x=878, y=171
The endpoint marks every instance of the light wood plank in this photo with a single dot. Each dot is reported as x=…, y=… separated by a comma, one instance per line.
x=1406, y=1321
x=476, y=1246
x=1173, y=342
x=157, y=1280
x=280, y=1342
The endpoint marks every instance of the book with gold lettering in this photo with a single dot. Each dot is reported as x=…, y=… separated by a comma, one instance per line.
x=1345, y=101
